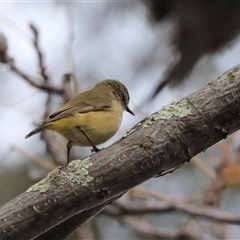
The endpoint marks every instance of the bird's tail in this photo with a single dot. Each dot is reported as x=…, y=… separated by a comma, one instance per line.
x=36, y=130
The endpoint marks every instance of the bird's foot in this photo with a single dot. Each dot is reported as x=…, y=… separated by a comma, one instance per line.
x=95, y=149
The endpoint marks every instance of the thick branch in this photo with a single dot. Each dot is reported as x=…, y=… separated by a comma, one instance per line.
x=160, y=143
x=61, y=231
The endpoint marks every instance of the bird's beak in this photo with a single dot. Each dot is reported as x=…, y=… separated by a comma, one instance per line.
x=130, y=111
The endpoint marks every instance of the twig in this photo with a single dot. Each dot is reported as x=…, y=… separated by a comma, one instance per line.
x=141, y=192
x=35, y=159
x=86, y=231
x=149, y=231
x=40, y=55
x=68, y=93
x=127, y=208
x=203, y=167
x=48, y=140
x=5, y=58
x=3, y=48
x=35, y=83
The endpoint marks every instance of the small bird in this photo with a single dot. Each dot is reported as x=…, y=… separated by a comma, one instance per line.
x=91, y=118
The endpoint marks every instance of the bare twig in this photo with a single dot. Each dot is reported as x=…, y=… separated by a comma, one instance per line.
x=203, y=167
x=86, y=231
x=46, y=165
x=68, y=93
x=36, y=83
x=121, y=208
x=150, y=232
x=3, y=48
x=48, y=139
x=40, y=55
x=141, y=192
x=5, y=58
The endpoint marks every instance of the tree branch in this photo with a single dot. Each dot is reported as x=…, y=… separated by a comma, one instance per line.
x=41, y=84
x=151, y=232
x=61, y=231
x=160, y=143
x=36, y=83
x=126, y=208
x=39, y=53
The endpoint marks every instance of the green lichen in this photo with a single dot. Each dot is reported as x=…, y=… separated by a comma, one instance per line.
x=43, y=185
x=78, y=172
x=232, y=74
x=175, y=109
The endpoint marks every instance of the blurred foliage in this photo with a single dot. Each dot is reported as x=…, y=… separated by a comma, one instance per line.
x=13, y=182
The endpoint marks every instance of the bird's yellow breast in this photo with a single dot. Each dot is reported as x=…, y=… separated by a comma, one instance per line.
x=99, y=126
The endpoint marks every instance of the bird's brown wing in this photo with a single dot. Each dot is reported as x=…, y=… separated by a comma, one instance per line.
x=78, y=105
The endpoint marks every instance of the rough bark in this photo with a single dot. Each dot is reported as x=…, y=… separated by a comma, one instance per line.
x=159, y=144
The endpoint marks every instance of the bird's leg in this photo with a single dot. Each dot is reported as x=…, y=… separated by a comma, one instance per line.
x=94, y=149
x=69, y=146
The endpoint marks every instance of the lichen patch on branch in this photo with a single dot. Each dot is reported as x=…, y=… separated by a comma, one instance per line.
x=232, y=74
x=77, y=173
x=175, y=109
x=178, y=109
x=45, y=183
